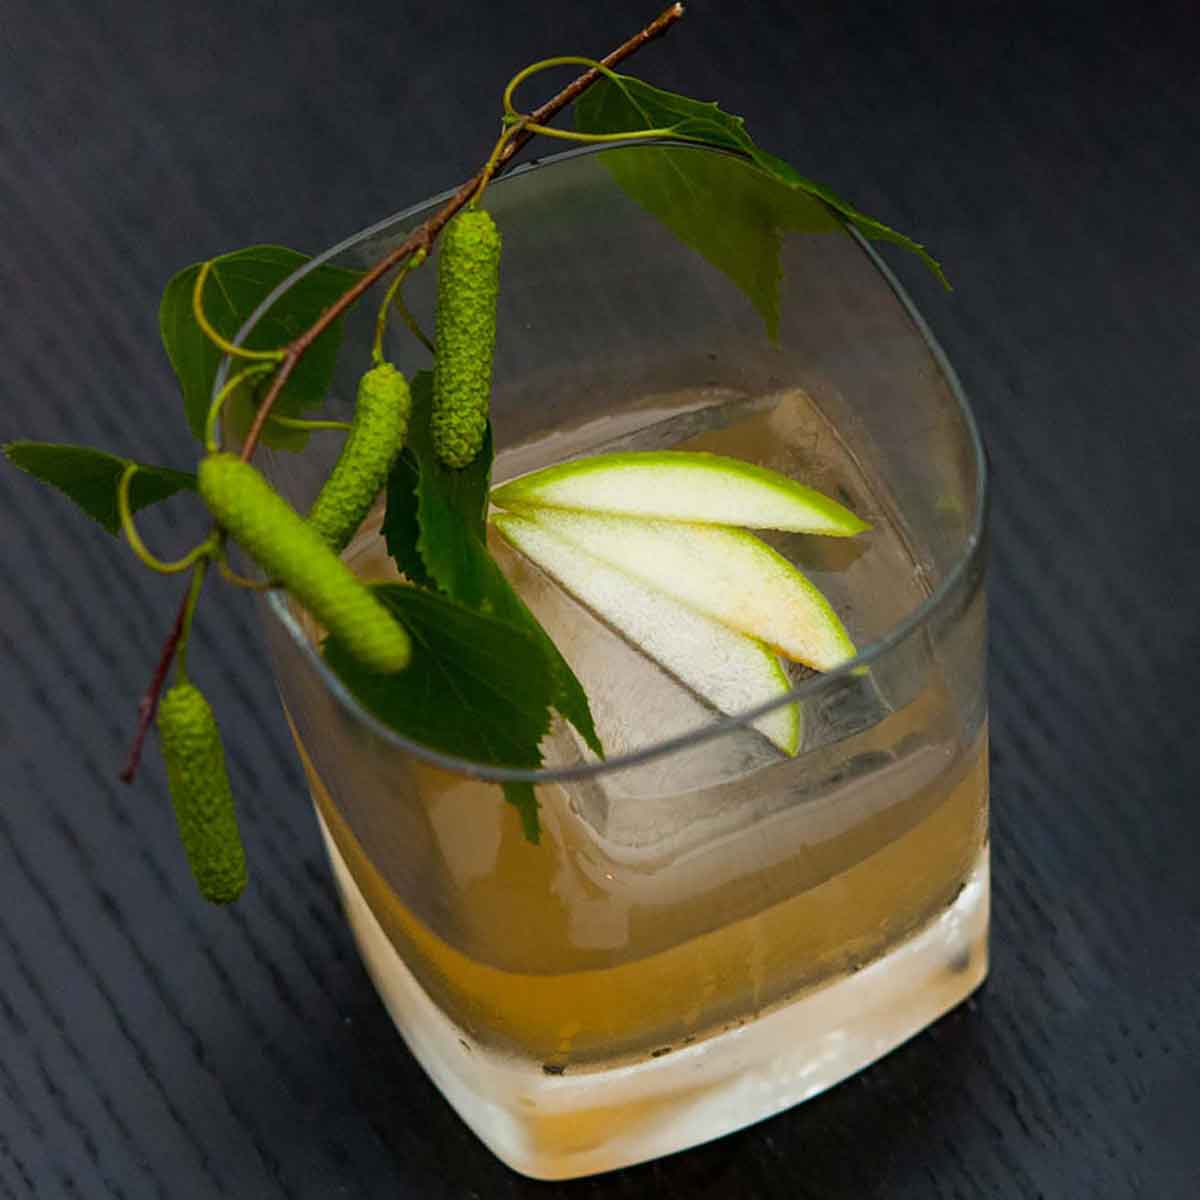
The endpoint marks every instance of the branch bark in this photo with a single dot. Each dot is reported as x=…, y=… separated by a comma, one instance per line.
x=148, y=705
x=423, y=236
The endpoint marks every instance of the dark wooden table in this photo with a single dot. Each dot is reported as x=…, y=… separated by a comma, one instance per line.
x=1049, y=153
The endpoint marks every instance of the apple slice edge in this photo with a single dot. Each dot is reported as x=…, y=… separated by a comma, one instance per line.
x=682, y=485
x=666, y=631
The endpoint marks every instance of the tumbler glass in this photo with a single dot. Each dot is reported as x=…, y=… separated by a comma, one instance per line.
x=710, y=931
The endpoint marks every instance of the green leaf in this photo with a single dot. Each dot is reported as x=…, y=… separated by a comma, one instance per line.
x=90, y=478
x=436, y=532
x=625, y=104
x=495, y=595
x=451, y=502
x=400, y=525
x=524, y=799
x=476, y=686
x=436, y=514
x=238, y=283
x=728, y=211
x=868, y=226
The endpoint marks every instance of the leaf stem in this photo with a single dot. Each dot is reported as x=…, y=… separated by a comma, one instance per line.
x=214, y=409
x=242, y=581
x=232, y=576
x=210, y=331
x=423, y=236
x=148, y=705
x=394, y=299
x=136, y=544
x=563, y=60
x=573, y=135
x=413, y=324
x=189, y=611
x=484, y=177
x=307, y=425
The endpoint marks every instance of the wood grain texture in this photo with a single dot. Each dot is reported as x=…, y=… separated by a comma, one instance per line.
x=1049, y=154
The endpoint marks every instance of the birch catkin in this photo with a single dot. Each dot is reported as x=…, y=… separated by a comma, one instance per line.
x=290, y=550
x=468, y=284
x=200, y=793
x=376, y=437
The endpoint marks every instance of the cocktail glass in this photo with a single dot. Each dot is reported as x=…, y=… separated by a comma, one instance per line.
x=709, y=931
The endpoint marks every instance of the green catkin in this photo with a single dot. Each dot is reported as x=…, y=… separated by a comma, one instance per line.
x=468, y=284
x=376, y=437
x=200, y=793
x=289, y=549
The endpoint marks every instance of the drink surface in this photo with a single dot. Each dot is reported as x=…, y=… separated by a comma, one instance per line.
x=696, y=891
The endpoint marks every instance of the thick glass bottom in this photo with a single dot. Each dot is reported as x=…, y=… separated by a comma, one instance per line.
x=560, y=1126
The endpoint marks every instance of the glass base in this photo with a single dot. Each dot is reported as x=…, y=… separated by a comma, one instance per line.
x=581, y=1123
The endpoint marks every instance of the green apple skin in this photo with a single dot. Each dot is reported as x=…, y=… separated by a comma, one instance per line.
x=682, y=485
x=728, y=575
x=734, y=673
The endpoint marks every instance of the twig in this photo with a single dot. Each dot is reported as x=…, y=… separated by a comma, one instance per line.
x=420, y=239
x=148, y=705
x=423, y=236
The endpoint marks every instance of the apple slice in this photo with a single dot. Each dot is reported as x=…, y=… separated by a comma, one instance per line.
x=726, y=574
x=682, y=485
x=732, y=672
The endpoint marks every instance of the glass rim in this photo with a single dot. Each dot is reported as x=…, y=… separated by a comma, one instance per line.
x=939, y=596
